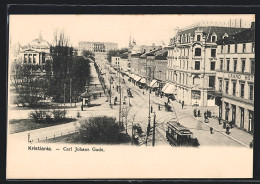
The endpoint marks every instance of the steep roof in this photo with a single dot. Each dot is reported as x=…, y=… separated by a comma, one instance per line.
x=220, y=31
x=161, y=54
x=245, y=36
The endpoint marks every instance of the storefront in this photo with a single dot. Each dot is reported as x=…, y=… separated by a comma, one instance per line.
x=195, y=97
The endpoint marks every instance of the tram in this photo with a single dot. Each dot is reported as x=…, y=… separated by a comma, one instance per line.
x=178, y=135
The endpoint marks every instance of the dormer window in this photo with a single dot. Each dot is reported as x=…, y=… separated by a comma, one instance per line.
x=198, y=38
x=213, y=37
x=225, y=35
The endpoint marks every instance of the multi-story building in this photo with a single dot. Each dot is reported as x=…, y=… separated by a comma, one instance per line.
x=120, y=62
x=96, y=47
x=191, y=63
x=235, y=69
x=37, y=52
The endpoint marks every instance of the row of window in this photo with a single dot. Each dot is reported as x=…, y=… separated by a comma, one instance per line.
x=234, y=65
x=235, y=50
x=187, y=39
x=234, y=89
x=183, y=79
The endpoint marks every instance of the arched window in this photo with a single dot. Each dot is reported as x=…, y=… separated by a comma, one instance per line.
x=198, y=52
x=213, y=39
x=196, y=80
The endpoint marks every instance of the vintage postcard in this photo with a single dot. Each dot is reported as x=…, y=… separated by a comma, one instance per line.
x=131, y=96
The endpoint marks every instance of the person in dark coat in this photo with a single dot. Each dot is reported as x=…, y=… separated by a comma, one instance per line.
x=151, y=108
x=159, y=107
x=219, y=121
x=182, y=104
x=195, y=113
x=198, y=113
x=205, y=115
x=227, y=129
x=211, y=130
x=224, y=124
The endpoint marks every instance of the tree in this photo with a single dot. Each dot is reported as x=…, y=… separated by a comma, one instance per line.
x=101, y=129
x=29, y=85
x=88, y=54
x=69, y=72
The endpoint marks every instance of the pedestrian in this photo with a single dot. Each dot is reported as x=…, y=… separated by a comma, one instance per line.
x=81, y=107
x=227, y=129
x=115, y=98
x=209, y=114
x=205, y=115
x=159, y=107
x=195, y=113
x=198, y=113
x=151, y=109
x=143, y=92
x=224, y=124
x=182, y=104
x=168, y=100
x=211, y=130
x=219, y=121
x=100, y=94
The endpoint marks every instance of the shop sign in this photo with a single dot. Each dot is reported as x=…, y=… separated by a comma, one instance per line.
x=240, y=77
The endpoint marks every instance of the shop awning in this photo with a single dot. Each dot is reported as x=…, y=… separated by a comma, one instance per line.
x=169, y=89
x=154, y=84
x=131, y=75
x=137, y=78
x=164, y=88
x=215, y=93
x=143, y=80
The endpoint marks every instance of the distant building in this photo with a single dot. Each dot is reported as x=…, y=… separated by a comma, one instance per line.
x=192, y=58
x=96, y=47
x=235, y=69
x=37, y=52
x=120, y=62
x=136, y=49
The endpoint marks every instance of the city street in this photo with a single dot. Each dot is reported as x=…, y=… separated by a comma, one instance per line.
x=138, y=113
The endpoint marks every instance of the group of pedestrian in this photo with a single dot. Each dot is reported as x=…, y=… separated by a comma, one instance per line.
x=196, y=113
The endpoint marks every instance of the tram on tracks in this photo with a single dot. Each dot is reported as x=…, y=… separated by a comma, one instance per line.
x=178, y=135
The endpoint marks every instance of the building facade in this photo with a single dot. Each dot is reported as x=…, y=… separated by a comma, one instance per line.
x=37, y=52
x=191, y=63
x=235, y=69
x=96, y=47
x=120, y=62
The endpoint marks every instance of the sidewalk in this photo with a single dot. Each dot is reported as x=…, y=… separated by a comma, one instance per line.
x=236, y=134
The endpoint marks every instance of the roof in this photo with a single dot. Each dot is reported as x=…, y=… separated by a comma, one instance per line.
x=161, y=54
x=245, y=36
x=220, y=31
x=39, y=43
x=180, y=129
x=136, y=55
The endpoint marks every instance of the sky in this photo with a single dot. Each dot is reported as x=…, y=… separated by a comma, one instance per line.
x=145, y=29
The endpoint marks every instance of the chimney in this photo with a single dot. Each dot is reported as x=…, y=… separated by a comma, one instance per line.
x=252, y=25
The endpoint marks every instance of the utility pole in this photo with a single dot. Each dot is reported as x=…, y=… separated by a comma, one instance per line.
x=149, y=111
x=132, y=132
x=154, y=116
x=119, y=97
x=70, y=93
x=110, y=81
x=64, y=95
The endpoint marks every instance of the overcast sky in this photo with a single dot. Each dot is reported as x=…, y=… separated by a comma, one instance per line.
x=145, y=29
